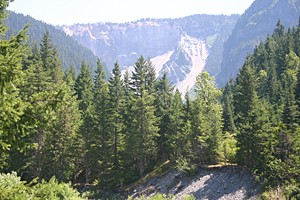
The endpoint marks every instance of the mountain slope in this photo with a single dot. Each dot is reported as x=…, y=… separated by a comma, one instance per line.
x=70, y=52
x=254, y=25
x=197, y=52
x=169, y=43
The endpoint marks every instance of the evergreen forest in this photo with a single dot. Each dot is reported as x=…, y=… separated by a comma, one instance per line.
x=59, y=127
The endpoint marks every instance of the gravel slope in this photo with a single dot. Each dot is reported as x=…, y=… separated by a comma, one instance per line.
x=229, y=182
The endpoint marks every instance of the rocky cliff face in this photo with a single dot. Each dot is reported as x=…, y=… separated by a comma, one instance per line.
x=125, y=42
x=180, y=47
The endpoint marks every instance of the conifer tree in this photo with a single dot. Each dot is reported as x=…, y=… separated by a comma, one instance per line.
x=187, y=107
x=52, y=118
x=252, y=118
x=207, y=119
x=116, y=123
x=84, y=89
x=101, y=147
x=38, y=91
x=49, y=57
x=127, y=88
x=143, y=76
x=297, y=95
x=142, y=146
x=150, y=76
x=163, y=110
x=289, y=82
x=143, y=130
x=179, y=135
x=280, y=48
x=63, y=146
x=245, y=100
x=70, y=76
x=65, y=122
x=228, y=108
x=13, y=51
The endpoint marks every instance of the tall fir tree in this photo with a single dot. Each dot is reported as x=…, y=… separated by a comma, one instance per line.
x=66, y=120
x=70, y=76
x=207, y=121
x=179, y=137
x=99, y=150
x=289, y=83
x=49, y=57
x=143, y=130
x=38, y=91
x=252, y=119
x=164, y=93
x=143, y=77
x=116, y=122
x=84, y=89
x=228, y=108
x=13, y=51
x=63, y=146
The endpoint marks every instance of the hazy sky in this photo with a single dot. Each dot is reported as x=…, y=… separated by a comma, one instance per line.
x=58, y=12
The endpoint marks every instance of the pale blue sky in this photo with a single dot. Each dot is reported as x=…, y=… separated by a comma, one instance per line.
x=58, y=12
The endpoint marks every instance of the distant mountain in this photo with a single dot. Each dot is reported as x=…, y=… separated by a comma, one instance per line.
x=181, y=47
x=70, y=51
x=254, y=25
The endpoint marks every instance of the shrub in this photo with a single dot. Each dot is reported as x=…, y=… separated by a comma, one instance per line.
x=55, y=191
x=12, y=188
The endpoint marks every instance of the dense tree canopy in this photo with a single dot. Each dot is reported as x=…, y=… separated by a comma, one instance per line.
x=84, y=129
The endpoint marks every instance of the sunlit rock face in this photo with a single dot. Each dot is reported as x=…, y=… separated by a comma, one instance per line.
x=179, y=47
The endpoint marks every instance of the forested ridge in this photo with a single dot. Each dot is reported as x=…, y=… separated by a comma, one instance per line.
x=254, y=25
x=69, y=51
x=85, y=130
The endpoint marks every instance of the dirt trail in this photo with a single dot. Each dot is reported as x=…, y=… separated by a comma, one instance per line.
x=229, y=182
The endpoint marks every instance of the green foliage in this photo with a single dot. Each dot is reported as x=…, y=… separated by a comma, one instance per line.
x=228, y=115
x=85, y=129
x=12, y=53
x=229, y=148
x=100, y=145
x=207, y=120
x=12, y=188
x=141, y=143
x=158, y=197
x=70, y=53
x=163, y=111
x=189, y=197
x=142, y=132
x=116, y=123
x=84, y=87
x=246, y=109
x=54, y=190
x=179, y=136
x=253, y=26
x=64, y=146
x=182, y=165
x=266, y=110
